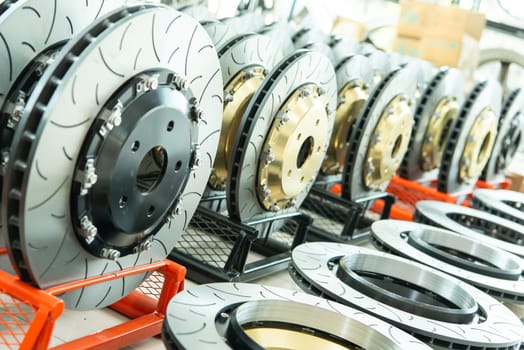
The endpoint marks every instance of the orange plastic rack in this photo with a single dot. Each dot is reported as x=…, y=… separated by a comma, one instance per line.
x=28, y=314
x=408, y=193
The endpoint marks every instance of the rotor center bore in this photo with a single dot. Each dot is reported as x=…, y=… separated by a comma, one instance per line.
x=437, y=133
x=238, y=92
x=479, y=144
x=151, y=170
x=294, y=148
x=288, y=325
x=389, y=143
x=408, y=287
x=352, y=98
x=466, y=253
x=133, y=164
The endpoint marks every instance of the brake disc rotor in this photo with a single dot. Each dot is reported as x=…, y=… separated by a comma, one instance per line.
x=309, y=35
x=87, y=184
x=379, y=63
x=490, y=269
x=26, y=53
x=321, y=48
x=470, y=139
x=476, y=224
x=505, y=204
x=435, y=307
x=219, y=32
x=354, y=76
x=434, y=116
x=250, y=316
x=509, y=137
x=342, y=47
x=244, y=62
x=380, y=136
x=284, y=135
x=280, y=35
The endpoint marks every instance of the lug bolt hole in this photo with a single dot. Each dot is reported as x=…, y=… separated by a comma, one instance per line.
x=178, y=166
x=150, y=211
x=170, y=125
x=122, y=202
x=135, y=146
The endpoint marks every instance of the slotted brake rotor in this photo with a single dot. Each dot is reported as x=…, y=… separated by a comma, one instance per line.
x=244, y=62
x=509, y=137
x=88, y=189
x=470, y=139
x=436, y=111
x=354, y=77
x=505, y=204
x=250, y=316
x=26, y=53
x=490, y=269
x=476, y=224
x=380, y=135
x=283, y=138
x=433, y=306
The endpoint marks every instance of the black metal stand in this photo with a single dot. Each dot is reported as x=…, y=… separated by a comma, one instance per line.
x=340, y=220
x=216, y=248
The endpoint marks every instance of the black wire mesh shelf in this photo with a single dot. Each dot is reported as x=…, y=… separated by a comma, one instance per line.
x=216, y=248
x=339, y=220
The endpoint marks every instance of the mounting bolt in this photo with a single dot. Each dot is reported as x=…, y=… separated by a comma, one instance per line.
x=223, y=317
x=269, y=157
x=274, y=208
x=142, y=247
x=304, y=92
x=4, y=160
x=376, y=139
x=147, y=82
x=265, y=191
x=180, y=82
x=111, y=254
x=195, y=159
x=291, y=204
x=284, y=118
x=179, y=207
x=197, y=113
x=18, y=110
x=115, y=118
x=228, y=97
x=321, y=91
x=90, y=178
x=89, y=230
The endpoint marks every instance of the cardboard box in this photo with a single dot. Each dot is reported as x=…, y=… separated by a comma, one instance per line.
x=443, y=35
x=517, y=181
x=349, y=28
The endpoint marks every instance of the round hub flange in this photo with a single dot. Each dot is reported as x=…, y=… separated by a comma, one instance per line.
x=471, y=139
x=127, y=181
x=245, y=61
x=455, y=314
x=380, y=136
x=476, y=224
x=354, y=76
x=283, y=137
x=108, y=84
x=490, y=269
x=505, y=204
x=250, y=316
x=26, y=53
x=509, y=137
x=433, y=118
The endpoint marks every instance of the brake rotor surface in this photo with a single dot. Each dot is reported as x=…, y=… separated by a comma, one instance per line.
x=219, y=32
x=435, y=307
x=380, y=136
x=86, y=191
x=244, y=61
x=505, y=204
x=26, y=53
x=433, y=118
x=342, y=48
x=473, y=223
x=284, y=135
x=490, y=269
x=470, y=139
x=509, y=137
x=280, y=35
x=379, y=63
x=354, y=76
x=250, y=316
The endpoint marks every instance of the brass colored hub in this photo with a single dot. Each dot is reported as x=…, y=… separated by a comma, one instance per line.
x=479, y=144
x=352, y=98
x=294, y=148
x=437, y=133
x=288, y=339
x=389, y=142
x=238, y=93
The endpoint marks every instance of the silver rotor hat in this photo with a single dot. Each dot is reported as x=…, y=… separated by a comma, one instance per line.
x=250, y=316
x=416, y=298
x=492, y=270
x=476, y=224
x=70, y=172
